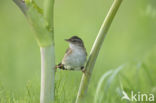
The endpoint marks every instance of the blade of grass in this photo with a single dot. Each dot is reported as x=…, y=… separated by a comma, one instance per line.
x=98, y=89
x=109, y=78
x=112, y=77
x=147, y=71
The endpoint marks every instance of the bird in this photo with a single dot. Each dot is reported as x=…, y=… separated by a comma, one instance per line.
x=75, y=55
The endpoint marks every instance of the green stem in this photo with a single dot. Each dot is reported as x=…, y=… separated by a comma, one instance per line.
x=48, y=58
x=21, y=5
x=48, y=13
x=43, y=27
x=47, y=74
x=95, y=50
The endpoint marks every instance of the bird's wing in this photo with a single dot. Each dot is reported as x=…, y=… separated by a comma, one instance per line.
x=85, y=51
x=68, y=51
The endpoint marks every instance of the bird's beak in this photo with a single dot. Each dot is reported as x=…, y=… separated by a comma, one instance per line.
x=66, y=40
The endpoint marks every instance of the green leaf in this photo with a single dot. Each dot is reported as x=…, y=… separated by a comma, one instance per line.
x=34, y=14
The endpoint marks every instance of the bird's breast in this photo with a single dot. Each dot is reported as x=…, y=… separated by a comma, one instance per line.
x=76, y=58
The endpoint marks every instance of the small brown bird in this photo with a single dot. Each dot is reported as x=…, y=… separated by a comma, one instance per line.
x=75, y=56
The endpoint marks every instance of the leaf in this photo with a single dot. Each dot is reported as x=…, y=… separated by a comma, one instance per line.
x=21, y=5
x=98, y=89
x=34, y=14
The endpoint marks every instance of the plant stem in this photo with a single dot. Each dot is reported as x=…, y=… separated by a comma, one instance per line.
x=43, y=27
x=21, y=5
x=47, y=92
x=49, y=12
x=95, y=50
x=47, y=74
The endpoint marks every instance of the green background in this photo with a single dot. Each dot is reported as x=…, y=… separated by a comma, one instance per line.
x=131, y=39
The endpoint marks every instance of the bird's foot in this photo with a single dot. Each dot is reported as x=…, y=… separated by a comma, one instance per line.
x=60, y=66
x=83, y=69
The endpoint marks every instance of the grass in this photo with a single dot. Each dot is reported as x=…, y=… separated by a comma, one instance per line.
x=129, y=41
x=132, y=76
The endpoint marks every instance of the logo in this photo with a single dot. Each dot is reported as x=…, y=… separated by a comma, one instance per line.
x=140, y=97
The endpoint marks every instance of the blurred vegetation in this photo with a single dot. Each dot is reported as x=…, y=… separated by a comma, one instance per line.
x=131, y=40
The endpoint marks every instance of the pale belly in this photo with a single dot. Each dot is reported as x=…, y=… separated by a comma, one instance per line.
x=75, y=60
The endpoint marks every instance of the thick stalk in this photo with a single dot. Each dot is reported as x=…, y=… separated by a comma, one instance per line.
x=95, y=50
x=47, y=74
x=21, y=5
x=43, y=27
x=48, y=58
x=49, y=12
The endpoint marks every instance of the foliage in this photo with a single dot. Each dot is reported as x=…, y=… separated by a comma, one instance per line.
x=130, y=41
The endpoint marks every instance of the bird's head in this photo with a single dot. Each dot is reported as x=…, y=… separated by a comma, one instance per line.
x=75, y=40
